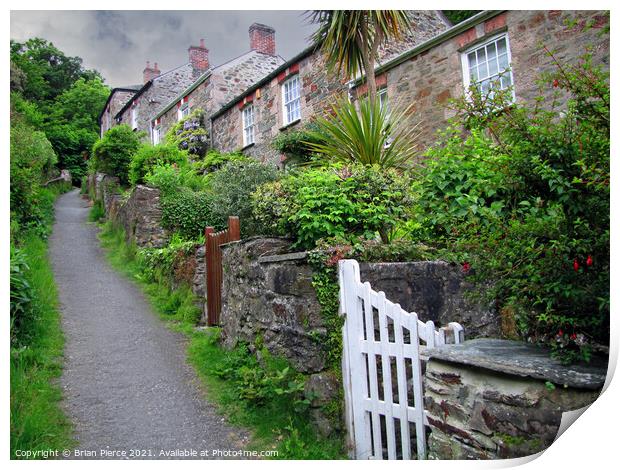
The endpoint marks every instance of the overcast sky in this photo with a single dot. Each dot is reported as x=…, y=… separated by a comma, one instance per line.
x=118, y=43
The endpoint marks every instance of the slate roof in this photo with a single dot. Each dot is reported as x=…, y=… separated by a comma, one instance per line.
x=251, y=66
x=181, y=69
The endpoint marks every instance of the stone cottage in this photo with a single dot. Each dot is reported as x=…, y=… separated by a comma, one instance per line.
x=220, y=84
x=117, y=99
x=158, y=89
x=294, y=93
x=502, y=46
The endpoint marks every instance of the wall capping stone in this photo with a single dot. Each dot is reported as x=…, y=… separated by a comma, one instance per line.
x=523, y=360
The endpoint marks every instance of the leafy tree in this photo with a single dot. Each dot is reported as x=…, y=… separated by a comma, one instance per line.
x=351, y=38
x=71, y=125
x=112, y=154
x=48, y=71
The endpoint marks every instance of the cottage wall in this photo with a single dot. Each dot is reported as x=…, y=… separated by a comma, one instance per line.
x=163, y=90
x=430, y=79
x=118, y=100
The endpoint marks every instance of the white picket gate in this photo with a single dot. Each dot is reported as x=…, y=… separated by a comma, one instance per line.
x=382, y=414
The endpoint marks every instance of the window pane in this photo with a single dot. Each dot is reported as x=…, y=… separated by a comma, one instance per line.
x=491, y=52
x=482, y=71
x=501, y=46
x=493, y=67
x=472, y=59
x=506, y=81
x=503, y=61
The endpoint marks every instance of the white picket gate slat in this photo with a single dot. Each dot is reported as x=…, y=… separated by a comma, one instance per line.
x=372, y=431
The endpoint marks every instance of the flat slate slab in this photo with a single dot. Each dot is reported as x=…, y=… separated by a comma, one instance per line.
x=522, y=359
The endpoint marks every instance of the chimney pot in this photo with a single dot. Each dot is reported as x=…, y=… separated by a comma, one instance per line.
x=149, y=72
x=263, y=38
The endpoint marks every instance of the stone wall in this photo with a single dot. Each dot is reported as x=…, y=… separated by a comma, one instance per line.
x=432, y=77
x=267, y=293
x=267, y=296
x=436, y=291
x=140, y=216
x=495, y=399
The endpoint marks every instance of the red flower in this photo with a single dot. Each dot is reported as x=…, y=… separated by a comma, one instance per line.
x=589, y=261
x=560, y=332
x=466, y=267
x=573, y=336
x=556, y=83
x=576, y=265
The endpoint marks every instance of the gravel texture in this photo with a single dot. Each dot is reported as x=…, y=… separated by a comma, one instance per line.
x=126, y=382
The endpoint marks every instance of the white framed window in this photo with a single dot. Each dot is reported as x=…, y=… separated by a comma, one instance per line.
x=157, y=134
x=488, y=66
x=247, y=116
x=134, y=118
x=183, y=110
x=383, y=98
x=291, y=99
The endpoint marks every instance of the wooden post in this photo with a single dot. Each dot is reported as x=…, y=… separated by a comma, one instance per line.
x=234, y=228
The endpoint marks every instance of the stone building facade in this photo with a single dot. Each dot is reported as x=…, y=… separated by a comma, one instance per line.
x=117, y=99
x=433, y=73
x=305, y=75
x=153, y=96
x=220, y=84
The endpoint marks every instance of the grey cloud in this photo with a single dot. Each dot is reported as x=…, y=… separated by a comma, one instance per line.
x=118, y=43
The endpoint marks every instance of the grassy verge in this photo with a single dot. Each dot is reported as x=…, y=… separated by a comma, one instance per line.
x=264, y=397
x=37, y=421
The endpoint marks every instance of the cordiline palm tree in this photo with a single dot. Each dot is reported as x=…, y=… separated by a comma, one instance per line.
x=351, y=39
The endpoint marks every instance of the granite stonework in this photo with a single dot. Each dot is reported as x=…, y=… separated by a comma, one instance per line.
x=496, y=399
x=430, y=78
x=155, y=96
x=221, y=84
x=272, y=301
x=436, y=291
x=141, y=216
x=116, y=101
x=318, y=90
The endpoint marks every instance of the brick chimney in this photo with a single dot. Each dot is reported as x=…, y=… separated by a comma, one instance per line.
x=199, y=57
x=263, y=38
x=149, y=72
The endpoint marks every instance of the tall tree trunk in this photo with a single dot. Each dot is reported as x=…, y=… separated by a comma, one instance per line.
x=368, y=61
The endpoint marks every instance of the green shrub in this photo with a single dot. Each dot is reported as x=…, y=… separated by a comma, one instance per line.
x=215, y=160
x=190, y=134
x=364, y=132
x=294, y=144
x=169, y=178
x=32, y=161
x=524, y=201
x=347, y=203
x=112, y=154
x=188, y=212
x=150, y=156
x=232, y=187
x=21, y=291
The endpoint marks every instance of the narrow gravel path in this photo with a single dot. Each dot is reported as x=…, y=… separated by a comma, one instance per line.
x=126, y=381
